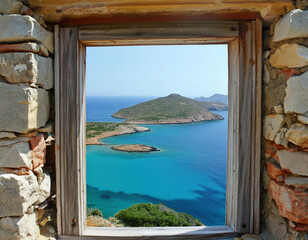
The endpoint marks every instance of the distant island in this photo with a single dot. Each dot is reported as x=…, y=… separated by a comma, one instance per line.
x=135, y=148
x=221, y=98
x=173, y=109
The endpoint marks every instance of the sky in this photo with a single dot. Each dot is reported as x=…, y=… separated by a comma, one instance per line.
x=189, y=70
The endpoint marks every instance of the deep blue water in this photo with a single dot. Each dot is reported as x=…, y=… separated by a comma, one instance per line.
x=188, y=174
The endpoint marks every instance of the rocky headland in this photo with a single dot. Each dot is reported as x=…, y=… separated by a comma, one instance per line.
x=100, y=130
x=135, y=148
x=173, y=109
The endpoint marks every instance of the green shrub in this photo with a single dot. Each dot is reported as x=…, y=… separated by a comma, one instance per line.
x=94, y=212
x=150, y=215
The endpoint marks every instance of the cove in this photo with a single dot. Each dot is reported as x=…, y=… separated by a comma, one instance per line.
x=188, y=174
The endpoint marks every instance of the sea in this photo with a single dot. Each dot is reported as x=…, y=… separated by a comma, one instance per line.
x=188, y=174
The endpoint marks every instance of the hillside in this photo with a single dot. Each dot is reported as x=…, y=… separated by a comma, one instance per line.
x=165, y=110
x=214, y=98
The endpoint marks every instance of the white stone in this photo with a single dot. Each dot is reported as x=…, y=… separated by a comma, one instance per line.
x=302, y=119
x=7, y=135
x=10, y=6
x=16, y=156
x=278, y=109
x=18, y=28
x=298, y=134
x=292, y=25
x=296, y=162
x=297, y=181
x=22, y=108
x=266, y=74
x=272, y=125
x=296, y=99
x=17, y=193
x=280, y=137
x=19, y=228
x=22, y=67
x=289, y=56
x=44, y=183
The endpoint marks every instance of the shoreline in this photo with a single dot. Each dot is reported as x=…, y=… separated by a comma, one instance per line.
x=116, y=132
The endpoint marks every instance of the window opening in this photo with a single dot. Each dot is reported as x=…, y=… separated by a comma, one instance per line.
x=185, y=168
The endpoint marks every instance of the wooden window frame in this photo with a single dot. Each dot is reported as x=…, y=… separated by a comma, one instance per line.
x=244, y=40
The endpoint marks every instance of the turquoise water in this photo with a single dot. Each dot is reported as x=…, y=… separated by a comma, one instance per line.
x=188, y=174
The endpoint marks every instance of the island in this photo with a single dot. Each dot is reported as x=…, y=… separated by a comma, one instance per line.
x=173, y=109
x=98, y=130
x=135, y=148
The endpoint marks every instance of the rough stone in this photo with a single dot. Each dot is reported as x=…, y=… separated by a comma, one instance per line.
x=291, y=205
x=276, y=226
x=292, y=25
x=7, y=135
x=278, y=109
x=17, y=171
x=10, y=6
x=17, y=193
x=22, y=108
x=275, y=172
x=298, y=134
x=296, y=99
x=266, y=74
x=24, y=47
x=21, y=228
x=44, y=183
x=48, y=128
x=38, y=147
x=10, y=141
x=16, y=156
x=289, y=56
x=17, y=28
x=272, y=125
x=280, y=137
x=302, y=119
x=20, y=67
x=297, y=181
x=251, y=237
x=296, y=162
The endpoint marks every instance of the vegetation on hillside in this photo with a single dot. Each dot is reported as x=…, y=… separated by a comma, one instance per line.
x=95, y=128
x=150, y=215
x=173, y=106
x=214, y=105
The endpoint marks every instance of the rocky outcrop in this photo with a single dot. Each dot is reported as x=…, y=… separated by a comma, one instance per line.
x=135, y=148
x=17, y=28
x=296, y=100
x=27, y=68
x=289, y=56
x=31, y=108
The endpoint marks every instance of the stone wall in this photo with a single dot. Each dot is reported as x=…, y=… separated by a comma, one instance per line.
x=27, y=189
x=27, y=202
x=285, y=128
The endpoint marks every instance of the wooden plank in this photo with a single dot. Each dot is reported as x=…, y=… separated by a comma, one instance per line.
x=70, y=138
x=258, y=126
x=233, y=133
x=78, y=12
x=159, y=33
x=203, y=232
x=57, y=128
